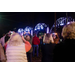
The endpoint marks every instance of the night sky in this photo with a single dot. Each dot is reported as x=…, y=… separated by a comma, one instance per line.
x=11, y=20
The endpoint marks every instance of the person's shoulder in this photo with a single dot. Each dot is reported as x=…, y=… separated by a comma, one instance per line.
x=37, y=37
x=60, y=45
x=33, y=36
x=1, y=38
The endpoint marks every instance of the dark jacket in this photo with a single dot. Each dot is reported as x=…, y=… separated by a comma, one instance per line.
x=65, y=51
x=41, y=41
x=47, y=52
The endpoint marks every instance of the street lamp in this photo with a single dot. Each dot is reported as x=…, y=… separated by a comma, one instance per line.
x=66, y=17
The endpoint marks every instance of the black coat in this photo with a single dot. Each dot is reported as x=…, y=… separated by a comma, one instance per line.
x=65, y=51
x=47, y=52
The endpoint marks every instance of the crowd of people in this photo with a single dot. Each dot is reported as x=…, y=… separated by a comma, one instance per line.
x=21, y=48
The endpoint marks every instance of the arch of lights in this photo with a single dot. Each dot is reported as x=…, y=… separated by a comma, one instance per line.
x=21, y=31
x=29, y=30
x=40, y=27
x=60, y=22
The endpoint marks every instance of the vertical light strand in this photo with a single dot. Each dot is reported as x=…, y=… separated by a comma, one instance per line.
x=31, y=32
x=47, y=29
x=66, y=17
x=55, y=21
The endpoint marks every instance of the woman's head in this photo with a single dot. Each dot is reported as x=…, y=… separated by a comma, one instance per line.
x=27, y=37
x=68, y=31
x=48, y=35
x=15, y=40
x=48, y=38
x=35, y=34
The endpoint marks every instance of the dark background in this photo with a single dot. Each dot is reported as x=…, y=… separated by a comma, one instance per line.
x=11, y=20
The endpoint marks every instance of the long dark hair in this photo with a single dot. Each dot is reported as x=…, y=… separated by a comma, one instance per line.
x=47, y=35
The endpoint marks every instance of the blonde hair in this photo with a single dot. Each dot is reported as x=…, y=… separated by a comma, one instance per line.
x=68, y=31
x=15, y=40
x=48, y=38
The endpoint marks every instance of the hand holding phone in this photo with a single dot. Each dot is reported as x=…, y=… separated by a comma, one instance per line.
x=11, y=32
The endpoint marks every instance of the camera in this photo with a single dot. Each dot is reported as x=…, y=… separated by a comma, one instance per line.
x=11, y=32
x=60, y=40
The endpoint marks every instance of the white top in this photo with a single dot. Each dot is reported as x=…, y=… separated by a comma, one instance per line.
x=16, y=53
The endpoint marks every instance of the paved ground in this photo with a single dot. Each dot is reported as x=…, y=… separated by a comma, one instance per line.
x=37, y=59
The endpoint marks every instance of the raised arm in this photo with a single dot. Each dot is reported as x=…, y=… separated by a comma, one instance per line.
x=27, y=44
